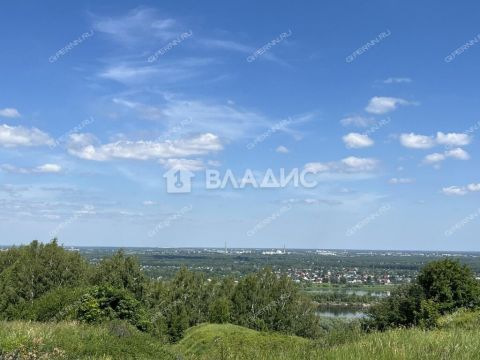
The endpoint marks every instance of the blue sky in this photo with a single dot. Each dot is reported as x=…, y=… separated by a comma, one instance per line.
x=98, y=101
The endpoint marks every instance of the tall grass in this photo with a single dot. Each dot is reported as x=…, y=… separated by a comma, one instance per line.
x=457, y=337
x=117, y=340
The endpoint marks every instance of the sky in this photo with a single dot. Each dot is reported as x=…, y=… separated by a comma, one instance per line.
x=375, y=102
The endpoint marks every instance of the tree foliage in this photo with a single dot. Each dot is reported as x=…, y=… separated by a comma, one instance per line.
x=442, y=287
x=48, y=283
x=31, y=271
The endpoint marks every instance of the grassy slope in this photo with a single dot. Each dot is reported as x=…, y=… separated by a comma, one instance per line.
x=76, y=341
x=211, y=341
x=458, y=337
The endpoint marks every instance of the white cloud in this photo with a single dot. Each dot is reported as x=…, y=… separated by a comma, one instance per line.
x=12, y=136
x=145, y=111
x=454, y=190
x=350, y=164
x=453, y=139
x=358, y=121
x=473, y=187
x=42, y=169
x=434, y=158
x=415, y=141
x=124, y=73
x=356, y=140
x=13, y=169
x=401, y=181
x=382, y=105
x=235, y=122
x=397, y=80
x=83, y=146
x=148, y=203
x=461, y=190
x=9, y=113
x=214, y=163
x=353, y=163
x=458, y=154
x=227, y=45
x=138, y=26
x=183, y=164
x=165, y=72
x=186, y=116
x=317, y=167
x=282, y=149
x=48, y=168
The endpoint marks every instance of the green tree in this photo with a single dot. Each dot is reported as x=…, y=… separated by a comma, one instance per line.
x=35, y=270
x=449, y=284
x=123, y=272
x=108, y=303
x=219, y=310
x=441, y=287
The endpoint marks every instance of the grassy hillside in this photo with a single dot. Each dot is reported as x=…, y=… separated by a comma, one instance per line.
x=211, y=341
x=21, y=340
x=458, y=337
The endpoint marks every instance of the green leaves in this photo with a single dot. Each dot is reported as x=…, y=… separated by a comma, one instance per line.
x=441, y=287
x=107, y=303
x=30, y=271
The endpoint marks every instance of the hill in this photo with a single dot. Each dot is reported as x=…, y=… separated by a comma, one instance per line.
x=457, y=337
x=71, y=340
x=213, y=341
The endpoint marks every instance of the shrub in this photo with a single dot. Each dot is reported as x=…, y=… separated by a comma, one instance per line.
x=442, y=287
x=107, y=303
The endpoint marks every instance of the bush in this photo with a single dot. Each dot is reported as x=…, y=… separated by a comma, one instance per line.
x=442, y=287
x=450, y=285
x=29, y=272
x=55, y=305
x=107, y=303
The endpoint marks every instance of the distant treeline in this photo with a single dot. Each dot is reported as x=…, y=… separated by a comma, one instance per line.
x=342, y=298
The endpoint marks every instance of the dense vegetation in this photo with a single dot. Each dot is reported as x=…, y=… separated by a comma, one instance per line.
x=456, y=337
x=110, y=307
x=47, y=283
x=442, y=287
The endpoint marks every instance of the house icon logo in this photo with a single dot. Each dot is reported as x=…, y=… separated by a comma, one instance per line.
x=178, y=181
